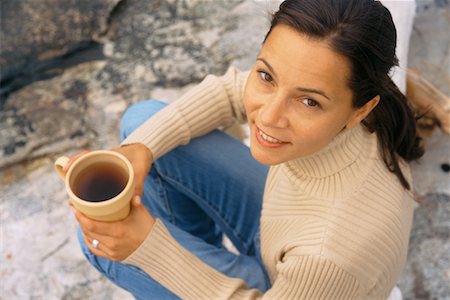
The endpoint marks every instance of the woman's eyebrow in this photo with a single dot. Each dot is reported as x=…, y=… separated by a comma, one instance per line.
x=267, y=65
x=301, y=89
x=308, y=90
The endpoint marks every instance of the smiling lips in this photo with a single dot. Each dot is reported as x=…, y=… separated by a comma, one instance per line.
x=267, y=140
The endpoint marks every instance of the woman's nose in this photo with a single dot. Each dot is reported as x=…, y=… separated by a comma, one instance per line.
x=274, y=113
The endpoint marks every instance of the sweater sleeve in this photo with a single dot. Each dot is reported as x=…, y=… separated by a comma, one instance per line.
x=215, y=102
x=299, y=277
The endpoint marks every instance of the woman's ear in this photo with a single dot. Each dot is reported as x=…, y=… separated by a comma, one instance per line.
x=362, y=112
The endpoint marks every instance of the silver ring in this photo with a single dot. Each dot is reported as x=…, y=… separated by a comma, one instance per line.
x=95, y=244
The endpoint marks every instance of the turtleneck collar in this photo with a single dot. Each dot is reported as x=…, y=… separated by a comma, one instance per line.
x=350, y=146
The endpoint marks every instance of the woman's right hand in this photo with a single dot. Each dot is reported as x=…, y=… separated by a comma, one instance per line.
x=141, y=158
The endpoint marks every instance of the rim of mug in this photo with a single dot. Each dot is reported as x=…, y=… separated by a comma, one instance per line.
x=94, y=153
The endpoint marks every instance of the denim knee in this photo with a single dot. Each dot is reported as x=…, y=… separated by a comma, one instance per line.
x=137, y=114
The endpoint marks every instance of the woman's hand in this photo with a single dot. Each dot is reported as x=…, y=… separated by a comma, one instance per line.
x=141, y=158
x=117, y=240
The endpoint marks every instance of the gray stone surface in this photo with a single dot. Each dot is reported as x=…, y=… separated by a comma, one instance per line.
x=47, y=29
x=157, y=49
x=149, y=45
x=427, y=274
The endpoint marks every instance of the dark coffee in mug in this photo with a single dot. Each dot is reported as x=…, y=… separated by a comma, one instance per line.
x=100, y=182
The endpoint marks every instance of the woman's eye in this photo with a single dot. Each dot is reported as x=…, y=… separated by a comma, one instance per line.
x=265, y=76
x=310, y=102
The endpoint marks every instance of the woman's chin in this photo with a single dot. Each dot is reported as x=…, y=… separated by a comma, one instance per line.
x=264, y=158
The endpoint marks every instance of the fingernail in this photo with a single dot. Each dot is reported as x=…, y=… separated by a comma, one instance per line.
x=137, y=199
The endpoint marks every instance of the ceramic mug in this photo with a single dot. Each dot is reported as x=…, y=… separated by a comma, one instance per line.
x=100, y=184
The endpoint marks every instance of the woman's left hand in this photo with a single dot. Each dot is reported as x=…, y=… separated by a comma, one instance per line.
x=117, y=240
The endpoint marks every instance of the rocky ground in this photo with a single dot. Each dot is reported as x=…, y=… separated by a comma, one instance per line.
x=66, y=82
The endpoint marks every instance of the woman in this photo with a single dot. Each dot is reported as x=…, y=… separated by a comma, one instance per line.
x=329, y=219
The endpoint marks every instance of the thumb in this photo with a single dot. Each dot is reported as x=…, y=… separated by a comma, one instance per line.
x=138, y=189
x=139, y=183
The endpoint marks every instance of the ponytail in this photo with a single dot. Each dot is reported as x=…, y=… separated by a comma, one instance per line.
x=395, y=125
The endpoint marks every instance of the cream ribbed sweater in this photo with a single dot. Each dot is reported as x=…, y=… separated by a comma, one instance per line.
x=334, y=225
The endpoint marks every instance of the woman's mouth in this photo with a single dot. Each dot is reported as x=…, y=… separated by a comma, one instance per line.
x=267, y=140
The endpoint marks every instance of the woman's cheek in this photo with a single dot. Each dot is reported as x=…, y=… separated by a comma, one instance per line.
x=253, y=98
x=248, y=103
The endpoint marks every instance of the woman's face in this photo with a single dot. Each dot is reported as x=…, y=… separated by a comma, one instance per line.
x=297, y=98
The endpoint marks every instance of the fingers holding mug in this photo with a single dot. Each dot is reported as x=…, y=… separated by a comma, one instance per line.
x=141, y=158
x=95, y=246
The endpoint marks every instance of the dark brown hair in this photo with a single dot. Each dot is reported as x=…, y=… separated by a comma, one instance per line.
x=364, y=33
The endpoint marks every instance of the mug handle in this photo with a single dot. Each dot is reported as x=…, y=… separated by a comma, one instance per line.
x=60, y=163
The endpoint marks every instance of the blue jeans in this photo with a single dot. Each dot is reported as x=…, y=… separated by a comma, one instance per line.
x=202, y=190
